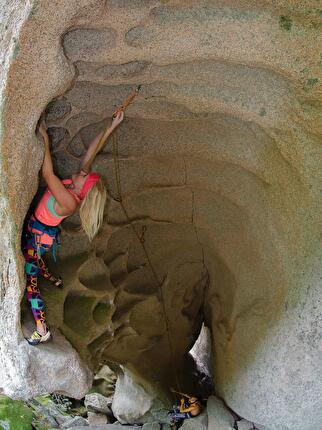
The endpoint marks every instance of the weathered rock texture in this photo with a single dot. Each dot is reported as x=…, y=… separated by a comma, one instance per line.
x=219, y=163
x=134, y=400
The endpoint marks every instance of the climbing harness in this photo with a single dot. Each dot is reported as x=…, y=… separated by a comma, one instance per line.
x=38, y=229
x=102, y=141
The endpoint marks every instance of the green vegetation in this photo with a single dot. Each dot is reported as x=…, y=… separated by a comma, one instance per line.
x=14, y=415
x=311, y=82
x=33, y=9
x=43, y=400
x=16, y=50
x=286, y=23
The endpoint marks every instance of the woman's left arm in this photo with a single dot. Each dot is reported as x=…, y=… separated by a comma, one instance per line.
x=47, y=166
x=63, y=197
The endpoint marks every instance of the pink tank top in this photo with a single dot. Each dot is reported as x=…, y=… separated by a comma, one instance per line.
x=45, y=211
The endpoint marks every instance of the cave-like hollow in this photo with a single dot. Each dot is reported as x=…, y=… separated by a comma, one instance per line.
x=201, y=208
x=214, y=155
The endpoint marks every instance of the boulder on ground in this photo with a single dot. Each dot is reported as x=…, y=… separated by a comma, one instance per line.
x=135, y=401
x=98, y=402
x=151, y=426
x=200, y=422
x=219, y=418
x=96, y=419
x=75, y=422
x=245, y=425
x=107, y=427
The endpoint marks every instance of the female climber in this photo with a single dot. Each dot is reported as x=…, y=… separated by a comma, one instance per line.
x=60, y=200
x=189, y=409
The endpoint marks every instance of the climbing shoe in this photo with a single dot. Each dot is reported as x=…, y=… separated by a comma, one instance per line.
x=36, y=338
x=57, y=282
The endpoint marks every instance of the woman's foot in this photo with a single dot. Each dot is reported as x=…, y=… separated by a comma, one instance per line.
x=36, y=338
x=57, y=282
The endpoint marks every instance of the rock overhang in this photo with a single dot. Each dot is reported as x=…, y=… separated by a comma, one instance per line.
x=215, y=156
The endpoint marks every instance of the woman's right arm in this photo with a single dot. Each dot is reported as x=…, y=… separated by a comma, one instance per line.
x=88, y=157
x=63, y=197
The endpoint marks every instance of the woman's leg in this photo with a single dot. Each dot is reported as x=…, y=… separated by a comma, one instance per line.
x=176, y=417
x=37, y=304
x=33, y=294
x=44, y=271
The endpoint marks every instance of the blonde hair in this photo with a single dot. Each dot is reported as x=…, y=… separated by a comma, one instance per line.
x=91, y=209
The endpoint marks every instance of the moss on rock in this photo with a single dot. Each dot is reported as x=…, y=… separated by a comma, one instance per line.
x=14, y=415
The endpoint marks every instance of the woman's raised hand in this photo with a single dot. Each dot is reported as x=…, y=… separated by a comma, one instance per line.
x=117, y=118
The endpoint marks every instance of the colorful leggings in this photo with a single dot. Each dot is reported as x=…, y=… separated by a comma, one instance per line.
x=176, y=415
x=34, y=267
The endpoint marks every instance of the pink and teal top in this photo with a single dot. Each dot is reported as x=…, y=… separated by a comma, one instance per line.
x=46, y=214
x=45, y=211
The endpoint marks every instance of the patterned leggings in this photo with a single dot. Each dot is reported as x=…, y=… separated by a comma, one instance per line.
x=33, y=268
x=176, y=415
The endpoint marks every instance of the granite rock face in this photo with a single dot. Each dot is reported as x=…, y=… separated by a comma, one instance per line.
x=219, y=418
x=219, y=163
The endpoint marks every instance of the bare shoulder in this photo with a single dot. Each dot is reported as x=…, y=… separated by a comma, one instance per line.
x=65, y=211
